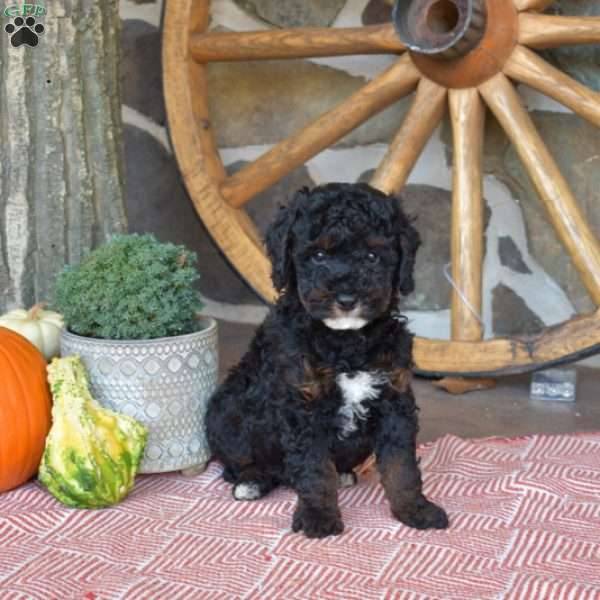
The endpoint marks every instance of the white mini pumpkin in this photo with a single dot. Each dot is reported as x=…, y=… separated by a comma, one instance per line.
x=41, y=327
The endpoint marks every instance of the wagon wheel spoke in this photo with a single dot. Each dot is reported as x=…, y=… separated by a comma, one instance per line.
x=563, y=209
x=550, y=31
x=467, y=114
x=537, y=5
x=527, y=67
x=424, y=115
x=294, y=43
x=393, y=84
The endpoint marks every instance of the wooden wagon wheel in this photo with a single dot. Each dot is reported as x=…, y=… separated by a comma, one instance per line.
x=464, y=54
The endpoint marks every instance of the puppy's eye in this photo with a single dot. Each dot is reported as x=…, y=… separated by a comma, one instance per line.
x=319, y=257
x=372, y=258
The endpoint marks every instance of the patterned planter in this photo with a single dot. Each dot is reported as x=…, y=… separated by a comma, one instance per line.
x=163, y=383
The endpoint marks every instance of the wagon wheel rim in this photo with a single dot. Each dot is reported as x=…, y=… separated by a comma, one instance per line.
x=464, y=84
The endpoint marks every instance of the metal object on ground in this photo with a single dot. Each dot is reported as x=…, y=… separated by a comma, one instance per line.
x=554, y=384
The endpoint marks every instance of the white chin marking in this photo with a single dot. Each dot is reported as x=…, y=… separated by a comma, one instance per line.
x=344, y=323
x=246, y=491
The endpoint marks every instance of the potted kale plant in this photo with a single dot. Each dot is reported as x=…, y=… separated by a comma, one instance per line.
x=131, y=314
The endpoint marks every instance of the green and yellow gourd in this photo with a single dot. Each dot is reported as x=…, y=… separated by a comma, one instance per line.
x=92, y=454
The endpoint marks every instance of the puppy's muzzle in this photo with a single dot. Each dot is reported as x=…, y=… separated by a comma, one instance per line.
x=346, y=314
x=346, y=302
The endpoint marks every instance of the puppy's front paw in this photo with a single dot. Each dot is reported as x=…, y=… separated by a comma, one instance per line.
x=423, y=514
x=317, y=523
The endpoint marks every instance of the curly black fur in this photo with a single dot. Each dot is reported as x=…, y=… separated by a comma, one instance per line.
x=342, y=256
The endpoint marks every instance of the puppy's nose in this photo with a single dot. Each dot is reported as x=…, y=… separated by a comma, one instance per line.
x=346, y=301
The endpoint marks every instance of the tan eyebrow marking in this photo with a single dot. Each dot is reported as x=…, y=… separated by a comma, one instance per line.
x=325, y=242
x=377, y=242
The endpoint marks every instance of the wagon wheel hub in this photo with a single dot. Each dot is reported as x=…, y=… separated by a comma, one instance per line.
x=457, y=43
x=440, y=28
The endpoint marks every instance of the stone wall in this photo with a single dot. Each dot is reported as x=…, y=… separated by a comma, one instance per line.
x=529, y=281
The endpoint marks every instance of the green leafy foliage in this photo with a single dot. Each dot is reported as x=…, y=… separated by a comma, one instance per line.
x=131, y=288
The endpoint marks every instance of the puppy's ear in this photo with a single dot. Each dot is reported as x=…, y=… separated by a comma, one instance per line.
x=409, y=241
x=279, y=241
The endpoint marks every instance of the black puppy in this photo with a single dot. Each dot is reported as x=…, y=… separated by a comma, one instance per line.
x=326, y=380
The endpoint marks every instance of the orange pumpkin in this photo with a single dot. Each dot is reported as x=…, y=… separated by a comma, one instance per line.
x=25, y=403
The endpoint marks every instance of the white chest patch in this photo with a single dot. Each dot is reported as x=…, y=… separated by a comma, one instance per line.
x=357, y=388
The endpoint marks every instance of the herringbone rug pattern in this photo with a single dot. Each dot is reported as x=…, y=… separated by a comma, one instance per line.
x=525, y=524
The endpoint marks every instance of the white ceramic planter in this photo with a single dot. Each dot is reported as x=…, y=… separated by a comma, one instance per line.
x=164, y=383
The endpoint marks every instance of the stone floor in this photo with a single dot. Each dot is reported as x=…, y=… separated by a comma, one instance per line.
x=504, y=411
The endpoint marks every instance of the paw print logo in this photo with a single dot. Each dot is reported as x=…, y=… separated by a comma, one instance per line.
x=24, y=31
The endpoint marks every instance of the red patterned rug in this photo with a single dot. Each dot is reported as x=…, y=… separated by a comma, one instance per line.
x=525, y=523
